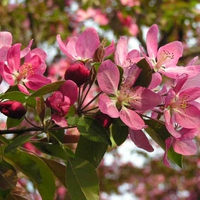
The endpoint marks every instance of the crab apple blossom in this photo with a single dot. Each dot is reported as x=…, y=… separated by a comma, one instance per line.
x=180, y=106
x=61, y=100
x=127, y=100
x=13, y=109
x=164, y=59
x=78, y=73
x=84, y=46
x=28, y=75
x=80, y=47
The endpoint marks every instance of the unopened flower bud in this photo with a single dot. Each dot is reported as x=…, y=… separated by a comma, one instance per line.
x=104, y=119
x=13, y=109
x=77, y=73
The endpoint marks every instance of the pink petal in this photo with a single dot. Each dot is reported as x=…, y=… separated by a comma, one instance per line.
x=169, y=125
x=25, y=51
x=69, y=89
x=108, y=77
x=108, y=106
x=190, y=94
x=59, y=120
x=168, y=143
x=36, y=81
x=121, y=51
x=144, y=99
x=152, y=41
x=87, y=43
x=109, y=49
x=3, y=53
x=185, y=147
x=132, y=75
x=5, y=39
x=131, y=119
x=155, y=81
x=13, y=57
x=170, y=53
x=6, y=74
x=140, y=140
x=23, y=89
x=69, y=48
x=188, y=117
x=175, y=71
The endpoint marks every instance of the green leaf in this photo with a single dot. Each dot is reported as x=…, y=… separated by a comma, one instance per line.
x=145, y=76
x=36, y=169
x=91, y=151
x=58, y=169
x=17, y=141
x=8, y=176
x=10, y=122
x=54, y=150
x=159, y=134
x=47, y=89
x=81, y=181
x=93, y=130
x=14, y=95
x=40, y=109
x=119, y=133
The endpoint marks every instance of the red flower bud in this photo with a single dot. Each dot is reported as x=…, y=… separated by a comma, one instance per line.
x=104, y=119
x=13, y=109
x=77, y=73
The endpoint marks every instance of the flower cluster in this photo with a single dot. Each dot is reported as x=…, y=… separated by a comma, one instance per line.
x=111, y=85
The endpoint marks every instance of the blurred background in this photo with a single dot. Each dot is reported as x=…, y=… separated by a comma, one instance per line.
x=126, y=172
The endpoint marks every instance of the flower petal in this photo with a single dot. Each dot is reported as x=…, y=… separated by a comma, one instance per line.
x=121, y=51
x=87, y=43
x=108, y=77
x=131, y=119
x=108, y=106
x=152, y=41
x=140, y=140
x=69, y=89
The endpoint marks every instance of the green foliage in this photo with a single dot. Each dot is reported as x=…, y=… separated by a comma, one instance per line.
x=82, y=174
x=91, y=129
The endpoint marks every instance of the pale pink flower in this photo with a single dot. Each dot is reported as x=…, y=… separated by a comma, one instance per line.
x=120, y=102
x=29, y=75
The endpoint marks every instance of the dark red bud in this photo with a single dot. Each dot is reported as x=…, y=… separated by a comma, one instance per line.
x=104, y=119
x=77, y=73
x=13, y=109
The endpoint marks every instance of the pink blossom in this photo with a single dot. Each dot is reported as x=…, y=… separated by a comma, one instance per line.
x=27, y=75
x=179, y=106
x=124, y=58
x=164, y=59
x=81, y=47
x=61, y=100
x=121, y=102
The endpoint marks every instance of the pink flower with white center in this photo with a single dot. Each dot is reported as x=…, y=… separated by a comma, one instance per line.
x=180, y=109
x=164, y=59
x=29, y=75
x=61, y=100
x=125, y=101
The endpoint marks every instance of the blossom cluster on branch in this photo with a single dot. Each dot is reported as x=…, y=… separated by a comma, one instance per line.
x=108, y=94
